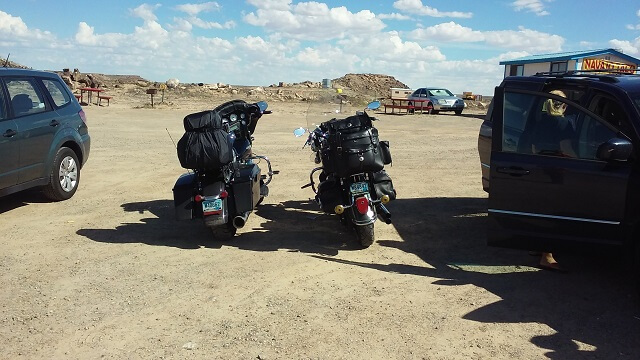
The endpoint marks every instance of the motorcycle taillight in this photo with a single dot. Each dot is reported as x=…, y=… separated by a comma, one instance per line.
x=224, y=194
x=362, y=204
x=198, y=198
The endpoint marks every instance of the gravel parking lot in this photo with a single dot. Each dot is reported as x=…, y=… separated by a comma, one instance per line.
x=110, y=274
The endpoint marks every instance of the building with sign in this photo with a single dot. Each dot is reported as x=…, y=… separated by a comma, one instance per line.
x=567, y=61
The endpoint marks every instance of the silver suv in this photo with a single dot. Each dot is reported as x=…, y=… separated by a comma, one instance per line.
x=45, y=140
x=437, y=99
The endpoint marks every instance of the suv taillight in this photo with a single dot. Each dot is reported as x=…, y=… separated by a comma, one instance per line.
x=82, y=116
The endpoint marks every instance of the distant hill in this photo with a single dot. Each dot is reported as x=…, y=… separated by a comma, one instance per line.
x=372, y=84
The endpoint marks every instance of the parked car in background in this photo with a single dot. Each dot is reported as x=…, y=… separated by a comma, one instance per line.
x=45, y=140
x=560, y=160
x=438, y=99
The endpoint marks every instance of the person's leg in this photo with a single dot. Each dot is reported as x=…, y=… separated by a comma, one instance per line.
x=548, y=262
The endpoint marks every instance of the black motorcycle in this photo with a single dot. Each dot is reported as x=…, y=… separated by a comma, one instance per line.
x=225, y=183
x=352, y=180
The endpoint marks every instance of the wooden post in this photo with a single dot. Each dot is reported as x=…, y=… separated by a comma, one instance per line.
x=152, y=92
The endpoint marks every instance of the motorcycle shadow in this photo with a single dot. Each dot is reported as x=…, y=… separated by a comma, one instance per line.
x=296, y=226
x=159, y=228
x=292, y=225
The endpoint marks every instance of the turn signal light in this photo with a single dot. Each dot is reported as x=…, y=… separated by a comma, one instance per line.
x=362, y=204
x=339, y=209
x=198, y=198
x=385, y=199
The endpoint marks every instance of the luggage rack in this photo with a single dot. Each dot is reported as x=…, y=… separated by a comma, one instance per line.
x=608, y=75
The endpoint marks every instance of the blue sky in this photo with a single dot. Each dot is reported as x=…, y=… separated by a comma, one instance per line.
x=453, y=43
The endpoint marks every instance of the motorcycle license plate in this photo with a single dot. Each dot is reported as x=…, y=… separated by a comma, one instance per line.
x=360, y=188
x=211, y=206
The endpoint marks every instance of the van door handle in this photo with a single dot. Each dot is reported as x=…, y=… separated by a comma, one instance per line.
x=9, y=133
x=54, y=123
x=513, y=171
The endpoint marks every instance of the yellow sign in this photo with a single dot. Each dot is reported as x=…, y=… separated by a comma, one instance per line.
x=163, y=86
x=339, y=91
x=601, y=64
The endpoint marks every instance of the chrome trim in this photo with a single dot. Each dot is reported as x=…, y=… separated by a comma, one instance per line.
x=607, y=222
x=485, y=165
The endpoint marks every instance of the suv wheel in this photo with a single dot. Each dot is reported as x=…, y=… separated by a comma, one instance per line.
x=65, y=176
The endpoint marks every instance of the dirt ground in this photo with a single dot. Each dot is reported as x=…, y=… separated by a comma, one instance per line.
x=110, y=274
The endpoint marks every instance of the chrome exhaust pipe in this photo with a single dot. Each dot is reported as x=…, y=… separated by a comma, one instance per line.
x=384, y=214
x=240, y=220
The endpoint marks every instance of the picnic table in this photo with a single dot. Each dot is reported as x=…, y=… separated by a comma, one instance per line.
x=409, y=105
x=90, y=91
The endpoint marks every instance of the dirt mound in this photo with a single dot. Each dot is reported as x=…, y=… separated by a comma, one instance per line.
x=11, y=64
x=372, y=84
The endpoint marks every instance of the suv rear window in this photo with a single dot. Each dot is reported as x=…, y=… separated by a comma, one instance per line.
x=3, y=110
x=58, y=94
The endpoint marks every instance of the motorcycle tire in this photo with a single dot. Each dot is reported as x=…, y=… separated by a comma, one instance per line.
x=225, y=232
x=365, y=235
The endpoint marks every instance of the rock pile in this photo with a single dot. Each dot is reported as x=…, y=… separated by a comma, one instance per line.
x=377, y=85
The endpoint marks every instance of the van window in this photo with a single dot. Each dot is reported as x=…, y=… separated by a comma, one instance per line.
x=541, y=125
x=25, y=97
x=58, y=94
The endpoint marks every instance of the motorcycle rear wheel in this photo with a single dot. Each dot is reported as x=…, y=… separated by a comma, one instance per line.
x=365, y=234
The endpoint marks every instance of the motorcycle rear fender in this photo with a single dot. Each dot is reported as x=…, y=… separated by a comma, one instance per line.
x=362, y=219
x=213, y=190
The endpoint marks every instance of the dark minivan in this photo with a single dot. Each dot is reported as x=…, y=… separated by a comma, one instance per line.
x=45, y=140
x=559, y=156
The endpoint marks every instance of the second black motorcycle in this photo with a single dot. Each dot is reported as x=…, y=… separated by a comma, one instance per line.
x=352, y=180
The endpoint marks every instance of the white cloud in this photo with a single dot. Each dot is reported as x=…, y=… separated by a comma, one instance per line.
x=524, y=39
x=587, y=44
x=197, y=22
x=395, y=49
x=312, y=20
x=195, y=9
x=416, y=7
x=394, y=16
x=281, y=5
x=634, y=27
x=145, y=12
x=447, y=32
x=628, y=47
x=535, y=6
x=14, y=27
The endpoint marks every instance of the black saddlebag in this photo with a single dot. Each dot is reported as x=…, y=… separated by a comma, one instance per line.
x=183, y=196
x=385, y=152
x=204, y=145
x=329, y=195
x=383, y=185
x=246, y=188
x=353, y=146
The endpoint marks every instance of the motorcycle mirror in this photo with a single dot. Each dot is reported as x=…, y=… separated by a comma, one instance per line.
x=373, y=105
x=299, y=132
x=262, y=105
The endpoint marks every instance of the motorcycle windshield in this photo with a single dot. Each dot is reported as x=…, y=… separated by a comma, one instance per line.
x=323, y=105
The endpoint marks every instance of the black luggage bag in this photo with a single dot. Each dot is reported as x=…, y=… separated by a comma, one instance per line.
x=354, y=146
x=205, y=145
